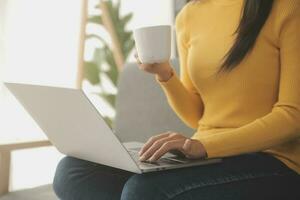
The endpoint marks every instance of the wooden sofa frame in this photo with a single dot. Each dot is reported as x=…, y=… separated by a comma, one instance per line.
x=5, y=159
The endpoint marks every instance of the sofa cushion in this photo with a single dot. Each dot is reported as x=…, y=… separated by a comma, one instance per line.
x=142, y=109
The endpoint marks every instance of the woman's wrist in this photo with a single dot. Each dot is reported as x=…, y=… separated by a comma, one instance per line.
x=166, y=75
x=202, y=150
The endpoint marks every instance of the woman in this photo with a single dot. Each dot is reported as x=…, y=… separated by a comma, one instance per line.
x=239, y=87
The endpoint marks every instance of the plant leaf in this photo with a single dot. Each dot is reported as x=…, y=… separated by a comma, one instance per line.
x=108, y=120
x=128, y=47
x=113, y=74
x=97, y=19
x=109, y=56
x=113, y=71
x=109, y=98
x=99, y=57
x=126, y=19
x=91, y=73
x=98, y=37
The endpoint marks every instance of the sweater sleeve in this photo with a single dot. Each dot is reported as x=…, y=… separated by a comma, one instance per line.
x=282, y=124
x=181, y=93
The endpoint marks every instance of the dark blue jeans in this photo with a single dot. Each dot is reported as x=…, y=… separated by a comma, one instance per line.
x=256, y=176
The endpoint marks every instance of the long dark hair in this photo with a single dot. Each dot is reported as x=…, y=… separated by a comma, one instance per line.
x=254, y=16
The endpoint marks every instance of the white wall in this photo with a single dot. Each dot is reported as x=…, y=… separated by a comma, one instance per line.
x=39, y=45
x=2, y=56
x=42, y=39
x=154, y=12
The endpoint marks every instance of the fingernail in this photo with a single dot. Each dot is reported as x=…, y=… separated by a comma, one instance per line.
x=151, y=159
x=142, y=158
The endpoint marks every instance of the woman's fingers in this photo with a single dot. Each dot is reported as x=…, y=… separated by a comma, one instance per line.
x=146, y=67
x=153, y=139
x=156, y=145
x=187, y=146
x=159, y=145
x=167, y=146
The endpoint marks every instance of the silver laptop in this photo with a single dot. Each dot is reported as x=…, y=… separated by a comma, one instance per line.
x=76, y=128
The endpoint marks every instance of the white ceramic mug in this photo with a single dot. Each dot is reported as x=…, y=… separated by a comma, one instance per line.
x=153, y=43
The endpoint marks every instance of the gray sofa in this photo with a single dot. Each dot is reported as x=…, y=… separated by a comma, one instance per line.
x=142, y=108
x=142, y=111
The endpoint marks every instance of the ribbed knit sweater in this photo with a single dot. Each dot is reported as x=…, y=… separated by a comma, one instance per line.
x=255, y=107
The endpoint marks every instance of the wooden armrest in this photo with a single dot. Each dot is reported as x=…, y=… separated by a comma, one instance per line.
x=5, y=155
x=24, y=145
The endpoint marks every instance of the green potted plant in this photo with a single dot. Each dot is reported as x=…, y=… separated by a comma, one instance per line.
x=104, y=56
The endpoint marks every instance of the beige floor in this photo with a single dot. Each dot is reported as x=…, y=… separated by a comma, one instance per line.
x=40, y=193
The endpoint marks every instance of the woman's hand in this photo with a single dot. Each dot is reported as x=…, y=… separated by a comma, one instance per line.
x=163, y=71
x=159, y=145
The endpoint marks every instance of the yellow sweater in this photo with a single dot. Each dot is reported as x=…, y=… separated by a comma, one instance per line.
x=256, y=107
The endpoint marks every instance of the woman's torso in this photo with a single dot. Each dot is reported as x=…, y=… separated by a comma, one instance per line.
x=249, y=91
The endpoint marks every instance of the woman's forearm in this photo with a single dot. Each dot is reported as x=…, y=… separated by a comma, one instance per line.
x=186, y=103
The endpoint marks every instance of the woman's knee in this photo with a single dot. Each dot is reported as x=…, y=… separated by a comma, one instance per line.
x=79, y=179
x=60, y=181
x=142, y=186
x=66, y=175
